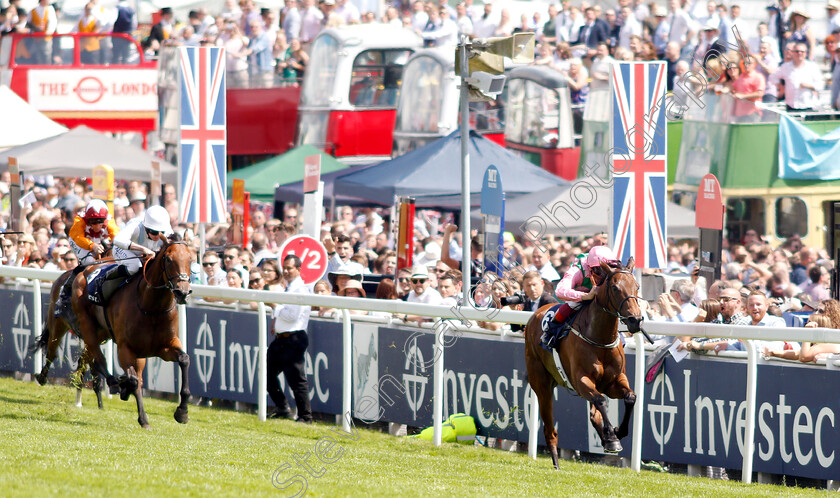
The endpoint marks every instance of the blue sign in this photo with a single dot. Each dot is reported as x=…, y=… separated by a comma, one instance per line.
x=491, y=193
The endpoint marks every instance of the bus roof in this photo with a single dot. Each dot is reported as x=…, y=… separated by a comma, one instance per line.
x=544, y=76
x=369, y=36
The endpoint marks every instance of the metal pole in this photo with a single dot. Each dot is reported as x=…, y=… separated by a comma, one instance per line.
x=262, y=376
x=37, y=359
x=639, y=409
x=749, y=432
x=465, y=173
x=437, y=401
x=347, y=368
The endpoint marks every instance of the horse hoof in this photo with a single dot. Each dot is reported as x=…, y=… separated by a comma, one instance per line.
x=146, y=427
x=42, y=379
x=612, y=446
x=114, y=389
x=181, y=416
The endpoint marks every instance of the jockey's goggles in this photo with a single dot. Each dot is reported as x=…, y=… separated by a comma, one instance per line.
x=95, y=221
x=152, y=232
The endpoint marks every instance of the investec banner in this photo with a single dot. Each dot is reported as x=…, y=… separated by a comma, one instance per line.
x=224, y=352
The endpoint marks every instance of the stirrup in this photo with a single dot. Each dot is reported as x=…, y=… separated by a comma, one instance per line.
x=548, y=340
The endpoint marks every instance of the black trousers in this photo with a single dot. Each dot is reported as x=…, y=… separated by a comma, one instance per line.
x=285, y=354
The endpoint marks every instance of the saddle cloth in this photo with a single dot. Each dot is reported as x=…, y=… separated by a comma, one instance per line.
x=99, y=289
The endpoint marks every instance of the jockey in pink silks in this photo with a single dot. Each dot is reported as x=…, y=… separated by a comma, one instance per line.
x=579, y=284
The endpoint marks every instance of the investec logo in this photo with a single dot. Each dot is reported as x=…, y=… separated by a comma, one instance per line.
x=783, y=431
x=21, y=329
x=234, y=359
x=415, y=379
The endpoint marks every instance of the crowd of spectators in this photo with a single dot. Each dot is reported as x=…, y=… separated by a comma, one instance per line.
x=759, y=282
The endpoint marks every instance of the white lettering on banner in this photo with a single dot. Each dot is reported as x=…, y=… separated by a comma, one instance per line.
x=799, y=429
x=93, y=89
x=824, y=460
x=22, y=331
x=222, y=341
x=235, y=350
x=485, y=391
x=727, y=417
x=251, y=365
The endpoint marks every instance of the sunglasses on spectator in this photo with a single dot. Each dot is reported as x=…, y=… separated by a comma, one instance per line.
x=208, y=264
x=8, y=245
x=418, y=280
x=403, y=279
x=152, y=232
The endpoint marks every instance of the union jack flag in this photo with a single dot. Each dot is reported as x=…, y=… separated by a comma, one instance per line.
x=638, y=163
x=202, y=169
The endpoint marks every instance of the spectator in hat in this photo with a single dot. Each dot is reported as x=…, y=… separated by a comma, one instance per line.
x=137, y=203
x=421, y=292
x=833, y=11
x=800, y=32
x=353, y=288
x=339, y=277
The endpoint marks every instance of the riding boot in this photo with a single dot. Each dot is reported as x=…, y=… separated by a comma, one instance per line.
x=62, y=304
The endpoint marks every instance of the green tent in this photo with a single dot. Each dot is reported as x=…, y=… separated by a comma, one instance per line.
x=261, y=178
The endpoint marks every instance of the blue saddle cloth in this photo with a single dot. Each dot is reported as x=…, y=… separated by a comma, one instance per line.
x=95, y=281
x=553, y=328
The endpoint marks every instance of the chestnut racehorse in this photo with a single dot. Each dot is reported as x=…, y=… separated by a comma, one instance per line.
x=592, y=357
x=142, y=319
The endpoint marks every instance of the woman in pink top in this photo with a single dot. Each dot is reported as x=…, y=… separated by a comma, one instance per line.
x=748, y=88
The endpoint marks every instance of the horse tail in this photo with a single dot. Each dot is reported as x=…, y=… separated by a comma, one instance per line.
x=41, y=343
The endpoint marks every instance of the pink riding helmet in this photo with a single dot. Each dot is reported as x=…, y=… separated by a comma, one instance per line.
x=598, y=254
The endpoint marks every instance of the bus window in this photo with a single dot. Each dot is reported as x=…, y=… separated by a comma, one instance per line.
x=319, y=77
x=41, y=51
x=744, y=214
x=422, y=96
x=376, y=78
x=791, y=217
x=533, y=114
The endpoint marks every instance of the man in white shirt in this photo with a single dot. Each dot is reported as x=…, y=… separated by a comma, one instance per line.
x=310, y=21
x=465, y=25
x=543, y=266
x=681, y=24
x=485, y=26
x=803, y=80
x=630, y=27
x=419, y=18
x=291, y=20
x=446, y=32
x=213, y=274
x=421, y=292
x=348, y=12
x=449, y=286
x=286, y=352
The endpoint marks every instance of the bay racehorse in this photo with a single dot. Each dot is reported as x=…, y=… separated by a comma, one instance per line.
x=592, y=357
x=55, y=327
x=142, y=320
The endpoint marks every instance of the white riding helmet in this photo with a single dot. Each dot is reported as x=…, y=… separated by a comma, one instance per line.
x=157, y=218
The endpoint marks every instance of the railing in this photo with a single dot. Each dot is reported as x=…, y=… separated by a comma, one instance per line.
x=344, y=304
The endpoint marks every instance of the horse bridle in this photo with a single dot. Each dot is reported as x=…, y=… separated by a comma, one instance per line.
x=168, y=282
x=617, y=312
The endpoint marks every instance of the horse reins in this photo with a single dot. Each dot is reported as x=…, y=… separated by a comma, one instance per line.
x=181, y=277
